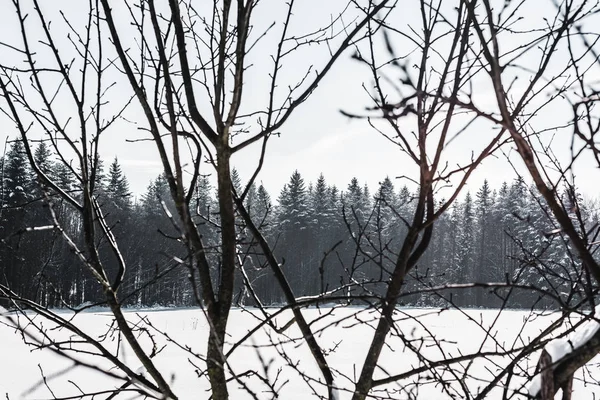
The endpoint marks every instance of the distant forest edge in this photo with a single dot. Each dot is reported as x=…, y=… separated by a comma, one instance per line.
x=341, y=242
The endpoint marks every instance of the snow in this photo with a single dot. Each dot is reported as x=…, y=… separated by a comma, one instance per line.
x=345, y=334
x=141, y=370
x=560, y=347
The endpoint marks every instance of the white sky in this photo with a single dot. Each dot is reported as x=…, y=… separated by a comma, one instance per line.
x=317, y=138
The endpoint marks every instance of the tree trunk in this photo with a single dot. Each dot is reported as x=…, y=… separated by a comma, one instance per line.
x=220, y=313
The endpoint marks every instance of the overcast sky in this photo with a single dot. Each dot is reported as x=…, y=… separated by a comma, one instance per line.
x=317, y=139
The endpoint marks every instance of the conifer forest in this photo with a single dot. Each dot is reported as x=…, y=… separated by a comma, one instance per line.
x=327, y=238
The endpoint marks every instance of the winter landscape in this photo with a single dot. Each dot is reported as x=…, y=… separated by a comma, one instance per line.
x=257, y=199
x=437, y=334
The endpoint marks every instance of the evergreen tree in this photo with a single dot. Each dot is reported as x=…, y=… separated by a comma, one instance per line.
x=251, y=199
x=443, y=247
x=293, y=203
x=42, y=157
x=354, y=200
x=517, y=214
x=17, y=176
x=157, y=191
x=335, y=272
x=264, y=209
x=47, y=251
x=466, y=261
x=366, y=198
x=116, y=205
x=484, y=202
x=323, y=229
x=263, y=216
x=321, y=206
x=205, y=204
x=384, y=235
x=72, y=288
x=405, y=208
x=236, y=181
x=63, y=176
x=117, y=188
x=157, y=246
x=16, y=269
x=388, y=205
x=502, y=217
x=97, y=168
x=293, y=222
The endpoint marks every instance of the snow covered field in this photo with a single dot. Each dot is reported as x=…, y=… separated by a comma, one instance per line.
x=346, y=340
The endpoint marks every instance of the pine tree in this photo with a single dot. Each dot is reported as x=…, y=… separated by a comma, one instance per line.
x=502, y=217
x=384, y=235
x=117, y=188
x=322, y=228
x=293, y=221
x=466, y=244
x=321, y=206
x=63, y=271
x=251, y=199
x=17, y=176
x=97, y=168
x=386, y=201
x=236, y=181
x=357, y=204
x=484, y=202
x=63, y=176
x=16, y=267
x=517, y=213
x=157, y=191
x=353, y=198
x=47, y=251
x=42, y=157
x=443, y=247
x=264, y=217
x=263, y=212
x=205, y=204
x=293, y=202
x=405, y=208
x=335, y=202
x=157, y=230
x=366, y=198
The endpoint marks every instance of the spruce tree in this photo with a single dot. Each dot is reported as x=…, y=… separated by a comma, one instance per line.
x=466, y=264
x=16, y=267
x=321, y=207
x=264, y=217
x=384, y=235
x=117, y=187
x=42, y=157
x=99, y=176
x=293, y=222
x=263, y=212
x=158, y=246
x=484, y=202
x=322, y=226
x=236, y=181
x=17, y=176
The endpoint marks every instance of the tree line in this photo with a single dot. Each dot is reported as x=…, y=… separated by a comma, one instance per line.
x=330, y=240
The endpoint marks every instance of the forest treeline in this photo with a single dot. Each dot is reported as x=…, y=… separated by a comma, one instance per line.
x=340, y=241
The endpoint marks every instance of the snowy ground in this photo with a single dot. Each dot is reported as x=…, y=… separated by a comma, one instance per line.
x=346, y=336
